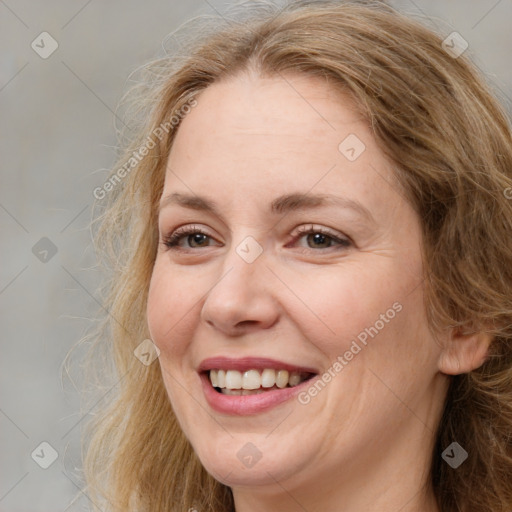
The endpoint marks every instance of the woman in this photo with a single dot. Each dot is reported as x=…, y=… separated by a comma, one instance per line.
x=312, y=257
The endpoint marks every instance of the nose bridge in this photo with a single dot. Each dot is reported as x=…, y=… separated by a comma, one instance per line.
x=243, y=271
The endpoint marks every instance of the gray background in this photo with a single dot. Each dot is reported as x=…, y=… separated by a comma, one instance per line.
x=57, y=140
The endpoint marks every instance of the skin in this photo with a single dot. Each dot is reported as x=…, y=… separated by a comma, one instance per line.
x=363, y=443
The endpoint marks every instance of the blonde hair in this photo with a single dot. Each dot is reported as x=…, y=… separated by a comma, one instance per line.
x=434, y=117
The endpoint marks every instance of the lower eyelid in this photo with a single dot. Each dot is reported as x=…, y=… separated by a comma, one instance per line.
x=336, y=244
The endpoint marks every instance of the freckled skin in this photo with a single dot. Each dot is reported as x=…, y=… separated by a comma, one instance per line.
x=364, y=442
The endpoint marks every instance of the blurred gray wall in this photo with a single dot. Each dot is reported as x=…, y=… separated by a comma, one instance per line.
x=56, y=142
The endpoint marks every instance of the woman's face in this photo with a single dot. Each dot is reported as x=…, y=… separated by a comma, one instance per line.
x=296, y=251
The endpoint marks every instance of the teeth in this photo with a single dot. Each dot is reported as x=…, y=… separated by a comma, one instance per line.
x=251, y=380
x=282, y=378
x=294, y=379
x=242, y=392
x=233, y=382
x=268, y=378
x=221, y=379
x=233, y=379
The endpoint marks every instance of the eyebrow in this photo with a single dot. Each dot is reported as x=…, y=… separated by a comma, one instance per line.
x=279, y=206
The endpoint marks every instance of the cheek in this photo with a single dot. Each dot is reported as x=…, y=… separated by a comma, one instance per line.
x=346, y=299
x=374, y=306
x=170, y=307
x=170, y=317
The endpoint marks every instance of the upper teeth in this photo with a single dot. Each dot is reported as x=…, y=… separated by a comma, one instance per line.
x=254, y=379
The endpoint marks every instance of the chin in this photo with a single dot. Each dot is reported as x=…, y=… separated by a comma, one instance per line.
x=241, y=462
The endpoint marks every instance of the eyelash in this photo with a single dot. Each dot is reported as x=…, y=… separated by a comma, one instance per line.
x=172, y=240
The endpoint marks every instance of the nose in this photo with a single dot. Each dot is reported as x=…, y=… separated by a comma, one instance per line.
x=242, y=299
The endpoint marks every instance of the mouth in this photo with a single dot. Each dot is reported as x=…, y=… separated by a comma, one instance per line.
x=255, y=381
x=251, y=385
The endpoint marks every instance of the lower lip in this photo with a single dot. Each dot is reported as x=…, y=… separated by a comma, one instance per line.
x=242, y=405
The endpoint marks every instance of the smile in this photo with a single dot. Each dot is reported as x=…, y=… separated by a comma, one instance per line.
x=252, y=382
x=250, y=385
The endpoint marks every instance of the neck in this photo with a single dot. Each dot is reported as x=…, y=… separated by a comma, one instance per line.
x=403, y=496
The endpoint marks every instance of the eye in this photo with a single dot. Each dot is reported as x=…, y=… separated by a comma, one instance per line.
x=318, y=237
x=193, y=237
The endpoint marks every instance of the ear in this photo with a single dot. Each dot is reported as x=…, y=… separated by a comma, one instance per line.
x=464, y=352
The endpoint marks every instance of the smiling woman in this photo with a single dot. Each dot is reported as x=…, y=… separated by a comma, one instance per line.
x=321, y=255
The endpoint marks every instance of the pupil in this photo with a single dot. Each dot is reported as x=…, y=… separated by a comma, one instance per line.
x=197, y=238
x=319, y=239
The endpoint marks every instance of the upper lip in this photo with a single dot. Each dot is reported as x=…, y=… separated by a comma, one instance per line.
x=243, y=364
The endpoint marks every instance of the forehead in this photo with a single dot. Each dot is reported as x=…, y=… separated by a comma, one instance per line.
x=251, y=134
x=261, y=107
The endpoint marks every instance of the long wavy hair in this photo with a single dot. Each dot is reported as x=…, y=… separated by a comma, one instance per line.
x=434, y=116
